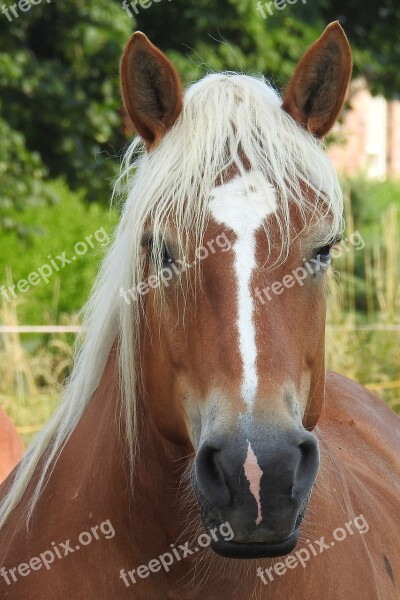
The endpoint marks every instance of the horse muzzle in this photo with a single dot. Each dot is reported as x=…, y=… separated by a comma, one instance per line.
x=260, y=483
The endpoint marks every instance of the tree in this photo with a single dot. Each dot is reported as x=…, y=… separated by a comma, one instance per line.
x=60, y=93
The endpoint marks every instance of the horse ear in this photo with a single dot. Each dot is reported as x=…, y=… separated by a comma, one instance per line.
x=316, y=92
x=151, y=89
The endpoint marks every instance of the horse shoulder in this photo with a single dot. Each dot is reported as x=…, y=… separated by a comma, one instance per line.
x=354, y=410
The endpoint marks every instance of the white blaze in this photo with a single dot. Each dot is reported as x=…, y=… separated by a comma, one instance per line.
x=241, y=205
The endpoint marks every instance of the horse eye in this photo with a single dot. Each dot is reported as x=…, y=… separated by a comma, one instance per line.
x=325, y=252
x=322, y=258
x=166, y=258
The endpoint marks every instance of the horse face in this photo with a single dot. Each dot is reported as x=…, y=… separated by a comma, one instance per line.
x=234, y=358
x=238, y=366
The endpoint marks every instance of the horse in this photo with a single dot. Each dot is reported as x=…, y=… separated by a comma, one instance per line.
x=11, y=446
x=201, y=449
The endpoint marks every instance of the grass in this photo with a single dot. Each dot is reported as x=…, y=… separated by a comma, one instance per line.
x=370, y=356
x=32, y=371
x=30, y=416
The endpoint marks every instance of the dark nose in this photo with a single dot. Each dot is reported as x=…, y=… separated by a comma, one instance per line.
x=282, y=467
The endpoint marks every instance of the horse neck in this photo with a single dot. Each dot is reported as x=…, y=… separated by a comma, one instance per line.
x=91, y=482
x=106, y=470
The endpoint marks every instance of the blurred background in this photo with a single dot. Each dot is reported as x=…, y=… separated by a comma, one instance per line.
x=63, y=132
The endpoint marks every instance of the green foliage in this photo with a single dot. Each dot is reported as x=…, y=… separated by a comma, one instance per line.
x=22, y=177
x=60, y=91
x=369, y=199
x=57, y=228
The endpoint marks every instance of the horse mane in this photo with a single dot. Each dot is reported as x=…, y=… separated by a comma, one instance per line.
x=225, y=117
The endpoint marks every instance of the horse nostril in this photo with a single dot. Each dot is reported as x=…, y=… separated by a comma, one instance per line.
x=210, y=475
x=308, y=449
x=307, y=466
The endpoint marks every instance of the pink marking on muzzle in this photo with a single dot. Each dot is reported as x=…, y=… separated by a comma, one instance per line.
x=253, y=475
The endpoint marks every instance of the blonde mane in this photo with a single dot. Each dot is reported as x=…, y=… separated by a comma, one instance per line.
x=225, y=117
